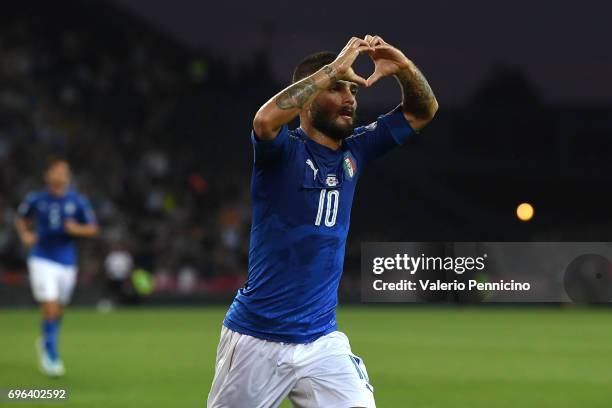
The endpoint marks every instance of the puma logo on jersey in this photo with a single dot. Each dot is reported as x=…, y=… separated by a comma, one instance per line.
x=311, y=165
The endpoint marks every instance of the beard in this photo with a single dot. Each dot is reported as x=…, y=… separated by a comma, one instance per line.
x=325, y=122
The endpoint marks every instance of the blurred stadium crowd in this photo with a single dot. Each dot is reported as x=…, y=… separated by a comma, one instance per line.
x=157, y=137
x=109, y=98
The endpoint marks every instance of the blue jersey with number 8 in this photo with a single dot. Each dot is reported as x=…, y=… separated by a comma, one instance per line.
x=49, y=214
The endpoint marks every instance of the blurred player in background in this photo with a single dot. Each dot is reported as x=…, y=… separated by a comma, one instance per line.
x=280, y=336
x=48, y=222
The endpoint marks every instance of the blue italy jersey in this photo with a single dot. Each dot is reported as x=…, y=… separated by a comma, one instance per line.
x=49, y=214
x=302, y=193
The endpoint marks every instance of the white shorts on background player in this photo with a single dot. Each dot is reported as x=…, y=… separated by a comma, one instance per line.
x=51, y=281
x=255, y=373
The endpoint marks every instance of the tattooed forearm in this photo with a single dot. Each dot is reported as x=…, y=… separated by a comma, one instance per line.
x=331, y=72
x=297, y=96
x=417, y=96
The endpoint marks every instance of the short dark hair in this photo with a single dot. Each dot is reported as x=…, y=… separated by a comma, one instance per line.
x=311, y=64
x=53, y=161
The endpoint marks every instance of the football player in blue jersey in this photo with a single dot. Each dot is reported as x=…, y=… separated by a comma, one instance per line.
x=279, y=338
x=48, y=222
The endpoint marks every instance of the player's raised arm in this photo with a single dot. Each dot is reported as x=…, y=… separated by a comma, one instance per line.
x=419, y=103
x=287, y=104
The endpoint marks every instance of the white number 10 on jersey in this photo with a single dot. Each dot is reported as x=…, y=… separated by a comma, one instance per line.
x=328, y=203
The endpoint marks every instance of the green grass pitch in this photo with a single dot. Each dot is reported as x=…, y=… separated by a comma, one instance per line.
x=416, y=357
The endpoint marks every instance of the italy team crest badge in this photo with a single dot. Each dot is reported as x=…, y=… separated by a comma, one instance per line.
x=349, y=165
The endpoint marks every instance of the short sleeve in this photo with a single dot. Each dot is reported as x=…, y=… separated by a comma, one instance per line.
x=85, y=213
x=265, y=151
x=27, y=206
x=389, y=131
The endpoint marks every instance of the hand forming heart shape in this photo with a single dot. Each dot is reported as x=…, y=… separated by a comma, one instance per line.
x=387, y=59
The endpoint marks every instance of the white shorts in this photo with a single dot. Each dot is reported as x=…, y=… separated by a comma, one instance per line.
x=255, y=373
x=51, y=281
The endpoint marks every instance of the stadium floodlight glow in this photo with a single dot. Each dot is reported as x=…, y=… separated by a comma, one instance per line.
x=524, y=212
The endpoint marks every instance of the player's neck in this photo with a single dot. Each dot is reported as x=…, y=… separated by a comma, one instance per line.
x=320, y=137
x=57, y=191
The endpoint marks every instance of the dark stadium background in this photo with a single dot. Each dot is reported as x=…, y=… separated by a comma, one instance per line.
x=152, y=104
